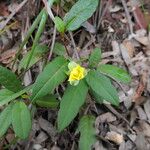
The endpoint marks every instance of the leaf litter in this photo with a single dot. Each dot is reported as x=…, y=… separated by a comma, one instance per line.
x=109, y=28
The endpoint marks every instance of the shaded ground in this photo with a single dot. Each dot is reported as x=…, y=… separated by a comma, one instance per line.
x=120, y=28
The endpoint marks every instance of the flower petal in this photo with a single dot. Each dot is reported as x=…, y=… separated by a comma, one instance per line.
x=72, y=65
x=74, y=83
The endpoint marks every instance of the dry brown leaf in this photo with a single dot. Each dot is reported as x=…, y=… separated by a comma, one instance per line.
x=141, y=113
x=147, y=109
x=99, y=146
x=3, y=9
x=142, y=127
x=127, y=59
x=115, y=48
x=55, y=148
x=107, y=117
x=130, y=47
x=115, y=137
x=140, y=89
x=134, y=3
x=89, y=27
x=41, y=137
x=37, y=147
x=141, y=37
x=48, y=127
x=139, y=18
x=141, y=143
x=7, y=56
x=10, y=137
x=114, y=9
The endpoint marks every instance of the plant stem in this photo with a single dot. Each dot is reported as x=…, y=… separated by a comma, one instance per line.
x=74, y=45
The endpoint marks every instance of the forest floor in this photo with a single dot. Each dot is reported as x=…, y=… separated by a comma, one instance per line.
x=122, y=29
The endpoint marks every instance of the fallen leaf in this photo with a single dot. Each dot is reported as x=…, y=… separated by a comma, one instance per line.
x=141, y=37
x=134, y=3
x=130, y=47
x=89, y=27
x=48, y=127
x=147, y=109
x=7, y=56
x=115, y=137
x=141, y=143
x=3, y=9
x=99, y=146
x=114, y=9
x=140, y=89
x=106, y=117
x=37, y=147
x=41, y=137
x=141, y=113
x=127, y=59
x=139, y=17
x=142, y=127
x=55, y=148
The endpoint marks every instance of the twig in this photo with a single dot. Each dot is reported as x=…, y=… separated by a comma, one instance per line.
x=128, y=17
x=116, y=113
x=52, y=45
x=13, y=13
x=63, y=40
x=102, y=14
x=49, y=11
x=74, y=45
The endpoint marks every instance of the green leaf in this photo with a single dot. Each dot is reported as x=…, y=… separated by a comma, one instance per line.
x=21, y=120
x=5, y=93
x=6, y=99
x=5, y=119
x=48, y=101
x=53, y=74
x=87, y=133
x=39, y=51
x=103, y=87
x=115, y=73
x=60, y=25
x=95, y=57
x=9, y=80
x=96, y=97
x=73, y=99
x=79, y=13
x=37, y=36
x=59, y=49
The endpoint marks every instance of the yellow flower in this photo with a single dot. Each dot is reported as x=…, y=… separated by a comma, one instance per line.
x=76, y=73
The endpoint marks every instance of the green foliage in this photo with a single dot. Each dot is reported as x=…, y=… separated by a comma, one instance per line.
x=96, y=96
x=9, y=80
x=37, y=36
x=39, y=51
x=29, y=33
x=87, y=132
x=5, y=93
x=73, y=99
x=95, y=57
x=48, y=101
x=103, y=87
x=115, y=73
x=79, y=13
x=21, y=120
x=60, y=25
x=53, y=74
x=5, y=119
x=4, y=100
x=59, y=49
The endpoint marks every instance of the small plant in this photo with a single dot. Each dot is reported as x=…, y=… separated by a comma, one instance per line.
x=93, y=80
